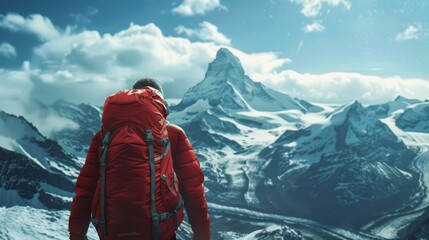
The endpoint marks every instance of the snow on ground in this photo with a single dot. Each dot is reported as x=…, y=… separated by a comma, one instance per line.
x=190, y=112
x=11, y=197
x=409, y=138
x=250, y=136
x=17, y=127
x=19, y=222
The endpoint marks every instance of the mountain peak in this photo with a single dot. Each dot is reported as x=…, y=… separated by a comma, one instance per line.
x=356, y=105
x=400, y=98
x=403, y=99
x=224, y=53
x=339, y=115
x=225, y=65
x=226, y=84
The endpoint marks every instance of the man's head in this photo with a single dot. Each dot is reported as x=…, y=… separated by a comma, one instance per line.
x=148, y=82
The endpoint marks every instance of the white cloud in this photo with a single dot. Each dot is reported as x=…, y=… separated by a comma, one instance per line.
x=198, y=7
x=7, y=50
x=316, y=26
x=36, y=24
x=93, y=66
x=312, y=8
x=260, y=63
x=87, y=66
x=206, y=31
x=410, y=33
x=341, y=87
x=15, y=98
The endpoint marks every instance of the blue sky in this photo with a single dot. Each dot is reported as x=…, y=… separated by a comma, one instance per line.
x=331, y=51
x=359, y=37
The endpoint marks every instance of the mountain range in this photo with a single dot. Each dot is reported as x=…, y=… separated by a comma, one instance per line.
x=332, y=171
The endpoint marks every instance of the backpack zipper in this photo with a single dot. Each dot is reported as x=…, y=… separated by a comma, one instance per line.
x=164, y=178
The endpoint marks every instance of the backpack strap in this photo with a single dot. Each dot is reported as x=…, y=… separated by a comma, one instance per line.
x=106, y=141
x=165, y=142
x=167, y=215
x=155, y=221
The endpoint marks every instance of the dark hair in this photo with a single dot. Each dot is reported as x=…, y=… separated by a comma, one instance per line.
x=148, y=82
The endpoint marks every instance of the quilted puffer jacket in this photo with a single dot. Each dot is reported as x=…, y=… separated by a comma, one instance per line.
x=189, y=176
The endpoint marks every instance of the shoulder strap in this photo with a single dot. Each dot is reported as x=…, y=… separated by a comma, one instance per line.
x=106, y=141
x=155, y=222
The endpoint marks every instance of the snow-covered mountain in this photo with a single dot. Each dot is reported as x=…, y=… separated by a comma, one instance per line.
x=228, y=116
x=225, y=84
x=293, y=158
x=415, y=118
x=24, y=182
x=349, y=125
x=386, y=109
x=35, y=171
x=22, y=223
x=19, y=135
x=268, y=159
x=349, y=162
x=88, y=117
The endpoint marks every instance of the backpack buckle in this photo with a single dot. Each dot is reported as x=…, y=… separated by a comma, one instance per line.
x=149, y=136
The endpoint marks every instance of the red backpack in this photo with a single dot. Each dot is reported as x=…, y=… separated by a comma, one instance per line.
x=137, y=195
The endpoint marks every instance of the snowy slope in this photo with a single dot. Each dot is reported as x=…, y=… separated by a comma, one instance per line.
x=415, y=118
x=350, y=161
x=347, y=125
x=35, y=170
x=18, y=135
x=24, y=182
x=18, y=223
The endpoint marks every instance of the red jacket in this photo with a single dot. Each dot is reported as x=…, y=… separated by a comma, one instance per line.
x=188, y=171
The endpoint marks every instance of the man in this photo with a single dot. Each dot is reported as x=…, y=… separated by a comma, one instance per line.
x=185, y=165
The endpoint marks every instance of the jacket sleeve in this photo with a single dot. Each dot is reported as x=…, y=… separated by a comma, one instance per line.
x=85, y=187
x=190, y=175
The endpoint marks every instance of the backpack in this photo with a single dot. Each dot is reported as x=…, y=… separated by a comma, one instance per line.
x=137, y=194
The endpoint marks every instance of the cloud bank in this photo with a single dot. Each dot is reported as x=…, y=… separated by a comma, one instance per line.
x=341, y=87
x=87, y=66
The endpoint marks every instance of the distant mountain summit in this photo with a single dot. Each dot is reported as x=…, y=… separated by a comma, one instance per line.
x=226, y=85
x=415, y=118
x=400, y=102
x=88, y=117
x=20, y=136
x=34, y=170
x=349, y=162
